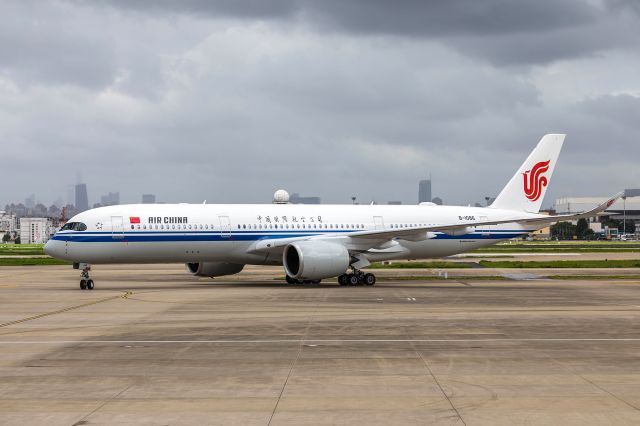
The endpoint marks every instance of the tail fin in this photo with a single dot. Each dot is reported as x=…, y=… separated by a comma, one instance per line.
x=525, y=191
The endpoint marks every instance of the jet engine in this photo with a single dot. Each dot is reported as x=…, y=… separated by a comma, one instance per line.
x=214, y=269
x=315, y=260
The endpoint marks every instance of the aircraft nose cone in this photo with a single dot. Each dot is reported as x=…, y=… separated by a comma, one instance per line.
x=50, y=248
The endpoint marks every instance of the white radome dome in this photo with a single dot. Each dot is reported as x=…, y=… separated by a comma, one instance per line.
x=281, y=197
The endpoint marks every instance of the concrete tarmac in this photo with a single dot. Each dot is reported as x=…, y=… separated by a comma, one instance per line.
x=152, y=345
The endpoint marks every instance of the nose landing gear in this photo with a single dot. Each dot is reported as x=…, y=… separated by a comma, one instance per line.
x=86, y=283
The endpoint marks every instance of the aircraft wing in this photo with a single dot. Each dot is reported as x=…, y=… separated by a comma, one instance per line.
x=523, y=219
x=365, y=240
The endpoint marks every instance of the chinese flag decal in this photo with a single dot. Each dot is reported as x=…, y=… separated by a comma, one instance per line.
x=134, y=220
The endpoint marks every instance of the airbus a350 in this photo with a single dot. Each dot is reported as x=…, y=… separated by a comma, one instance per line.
x=311, y=242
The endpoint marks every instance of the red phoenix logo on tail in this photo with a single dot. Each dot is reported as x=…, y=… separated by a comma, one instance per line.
x=534, y=180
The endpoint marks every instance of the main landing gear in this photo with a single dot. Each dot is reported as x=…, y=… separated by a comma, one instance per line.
x=291, y=280
x=86, y=283
x=357, y=278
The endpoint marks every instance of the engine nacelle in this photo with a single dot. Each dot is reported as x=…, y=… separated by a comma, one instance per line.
x=315, y=260
x=214, y=269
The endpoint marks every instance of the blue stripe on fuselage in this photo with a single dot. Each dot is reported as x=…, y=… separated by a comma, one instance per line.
x=105, y=237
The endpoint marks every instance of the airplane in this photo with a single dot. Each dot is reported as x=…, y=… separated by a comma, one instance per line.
x=311, y=242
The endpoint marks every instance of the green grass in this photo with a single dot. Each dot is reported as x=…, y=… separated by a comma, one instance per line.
x=420, y=265
x=21, y=249
x=31, y=261
x=562, y=247
x=561, y=264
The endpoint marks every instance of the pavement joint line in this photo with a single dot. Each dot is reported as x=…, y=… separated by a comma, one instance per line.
x=67, y=309
x=293, y=365
x=426, y=364
x=592, y=383
x=304, y=341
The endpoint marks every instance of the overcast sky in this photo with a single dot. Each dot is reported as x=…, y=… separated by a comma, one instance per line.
x=229, y=100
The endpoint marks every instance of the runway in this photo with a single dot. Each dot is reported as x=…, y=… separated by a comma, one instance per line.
x=153, y=345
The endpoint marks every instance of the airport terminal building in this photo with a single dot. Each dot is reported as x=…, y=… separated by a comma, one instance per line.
x=626, y=208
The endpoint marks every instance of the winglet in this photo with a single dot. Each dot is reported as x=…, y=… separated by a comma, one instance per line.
x=602, y=207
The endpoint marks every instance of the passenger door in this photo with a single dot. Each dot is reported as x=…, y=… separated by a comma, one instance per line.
x=225, y=227
x=117, y=228
x=378, y=222
x=484, y=230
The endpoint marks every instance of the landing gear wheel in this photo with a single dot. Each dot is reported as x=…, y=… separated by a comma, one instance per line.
x=316, y=281
x=85, y=281
x=343, y=279
x=369, y=279
x=353, y=279
x=290, y=280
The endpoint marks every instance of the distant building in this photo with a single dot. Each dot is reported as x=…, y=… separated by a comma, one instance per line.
x=148, y=199
x=626, y=208
x=394, y=203
x=8, y=222
x=297, y=199
x=82, y=199
x=34, y=230
x=30, y=201
x=437, y=200
x=111, y=199
x=424, y=191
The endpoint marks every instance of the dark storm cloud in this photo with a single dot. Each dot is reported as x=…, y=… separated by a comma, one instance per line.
x=247, y=9
x=504, y=32
x=403, y=17
x=41, y=44
x=229, y=100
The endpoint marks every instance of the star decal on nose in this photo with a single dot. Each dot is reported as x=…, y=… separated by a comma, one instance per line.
x=99, y=225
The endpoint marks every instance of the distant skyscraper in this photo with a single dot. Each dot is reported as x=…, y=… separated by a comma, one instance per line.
x=30, y=201
x=148, y=199
x=82, y=200
x=111, y=199
x=424, y=191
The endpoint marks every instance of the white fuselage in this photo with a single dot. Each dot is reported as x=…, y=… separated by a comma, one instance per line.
x=159, y=233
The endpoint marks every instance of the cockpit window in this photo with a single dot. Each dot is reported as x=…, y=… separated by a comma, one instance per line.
x=74, y=226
